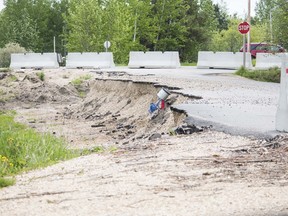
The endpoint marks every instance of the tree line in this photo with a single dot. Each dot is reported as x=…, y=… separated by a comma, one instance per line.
x=186, y=26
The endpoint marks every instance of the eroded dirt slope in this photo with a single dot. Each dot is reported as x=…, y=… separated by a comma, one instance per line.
x=151, y=172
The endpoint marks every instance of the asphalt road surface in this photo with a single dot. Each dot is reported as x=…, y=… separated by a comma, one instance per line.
x=229, y=103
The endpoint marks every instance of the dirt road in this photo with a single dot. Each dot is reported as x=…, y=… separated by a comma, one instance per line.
x=145, y=169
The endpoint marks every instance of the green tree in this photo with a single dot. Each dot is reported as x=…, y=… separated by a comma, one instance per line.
x=169, y=17
x=259, y=32
x=228, y=40
x=21, y=30
x=221, y=16
x=280, y=22
x=263, y=9
x=85, y=25
x=201, y=22
x=118, y=19
x=145, y=28
x=41, y=18
x=92, y=22
x=57, y=25
x=274, y=13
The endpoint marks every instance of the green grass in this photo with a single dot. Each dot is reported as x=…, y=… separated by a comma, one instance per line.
x=41, y=75
x=189, y=64
x=81, y=94
x=270, y=75
x=22, y=148
x=5, y=182
x=4, y=70
x=81, y=79
x=254, y=62
x=77, y=82
x=12, y=78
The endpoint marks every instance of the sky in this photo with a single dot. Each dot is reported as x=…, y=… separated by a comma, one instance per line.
x=234, y=6
x=238, y=6
x=1, y=4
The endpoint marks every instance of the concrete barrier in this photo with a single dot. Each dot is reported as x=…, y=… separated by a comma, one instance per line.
x=34, y=60
x=281, y=122
x=222, y=60
x=205, y=59
x=268, y=60
x=90, y=60
x=154, y=60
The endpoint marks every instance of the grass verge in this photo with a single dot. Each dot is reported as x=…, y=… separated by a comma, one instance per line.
x=188, y=63
x=270, y=75
x=4, y=70
x=22, y=148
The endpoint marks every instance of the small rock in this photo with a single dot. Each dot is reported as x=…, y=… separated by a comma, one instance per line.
x=128, y=127
x=129, y=101
x=97, y=125
x=187, y=129
x=2, y=75
x=155, y=136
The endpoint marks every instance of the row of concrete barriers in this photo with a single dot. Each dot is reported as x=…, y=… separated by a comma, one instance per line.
x=230, y=60
x=52, y=60
x=94, y=60
x=206, y=59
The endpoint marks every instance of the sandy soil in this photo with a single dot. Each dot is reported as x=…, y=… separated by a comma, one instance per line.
x=144, y=170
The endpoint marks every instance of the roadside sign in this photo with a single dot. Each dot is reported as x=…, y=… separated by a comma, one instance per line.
x=244, y=27
x=107, y=44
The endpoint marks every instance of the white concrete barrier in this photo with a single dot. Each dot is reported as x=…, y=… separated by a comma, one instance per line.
x=222, y=60
x=205, y=59
x=90, y=60
x=154, y=59
x=268, y=60
x=34, y=60
x=281, y=122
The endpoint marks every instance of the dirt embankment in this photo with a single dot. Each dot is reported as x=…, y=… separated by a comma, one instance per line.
x=151, y=173
x=95, y=112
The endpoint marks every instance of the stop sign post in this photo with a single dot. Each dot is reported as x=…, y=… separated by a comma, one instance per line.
x=244, y=28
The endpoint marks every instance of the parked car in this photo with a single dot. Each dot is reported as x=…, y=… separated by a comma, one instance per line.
x=263, y=48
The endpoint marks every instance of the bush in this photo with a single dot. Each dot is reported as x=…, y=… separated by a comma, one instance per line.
x=5, y=53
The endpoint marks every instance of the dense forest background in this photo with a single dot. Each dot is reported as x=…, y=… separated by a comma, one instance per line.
x=186, y=26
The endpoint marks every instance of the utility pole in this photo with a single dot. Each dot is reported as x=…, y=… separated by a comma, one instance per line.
x=135, y=27
x=271, y=28
x=249, y=21
x=54, y=44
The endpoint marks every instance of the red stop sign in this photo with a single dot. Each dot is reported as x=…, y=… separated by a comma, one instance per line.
x=244, y=27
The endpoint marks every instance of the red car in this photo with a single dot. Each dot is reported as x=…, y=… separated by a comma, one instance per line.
x=263, y=48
